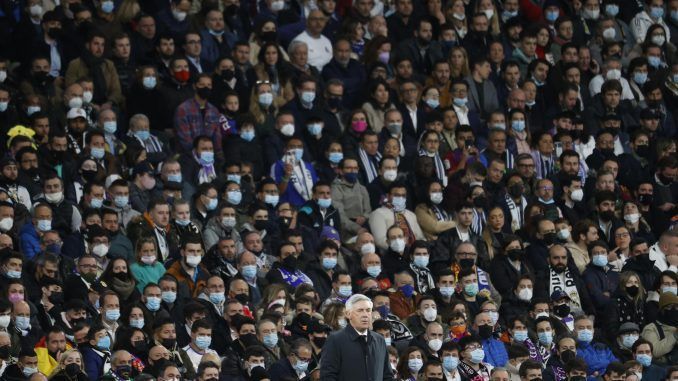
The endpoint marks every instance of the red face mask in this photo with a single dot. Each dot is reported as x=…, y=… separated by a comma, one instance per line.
x=182, y=75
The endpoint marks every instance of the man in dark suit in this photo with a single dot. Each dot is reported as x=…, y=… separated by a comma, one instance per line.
x=482, y=95
x=422, y=49
x=295, y=365
x=356, y=353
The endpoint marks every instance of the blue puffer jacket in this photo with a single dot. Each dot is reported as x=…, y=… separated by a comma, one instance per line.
x=30, y=242
x=596, y=355
x=495, y=352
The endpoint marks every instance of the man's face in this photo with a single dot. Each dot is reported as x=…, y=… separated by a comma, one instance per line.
x=96, y=46
x=342, y=52
x=315, y=23
x=360, y=315
x=496, y=171
x=193, y=45
x=56, y=342
x=512, y=75
x=441, y=73
x=558, y=257
x=122, y=48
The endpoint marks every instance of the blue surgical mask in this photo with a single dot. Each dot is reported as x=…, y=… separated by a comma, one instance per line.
x=217, y=297
x=433, y=103
x=247, y=135
x=110, y=127
x=644, y=360
x=471, y=289
x=137, y=323
x=324, y=203
x=545, y=338
x=450, y=363
x=421, y=261
x=639, y=77
x=629, y=340
x=96, y=203
x=307, y=96
x=203, y=342
x=271, y=199
x=315, y=128
x=30, y=110
x=107, y=6
x=600, y=260
x=654, y=61
x=271, y=340
x=265, y=99
x=142, y=135
x=112, y=315
x=446, y=291
x=121, y=201
x=13, y=274
x=174, y=177
x=477, y=355
x=612, y=9
x=168, y=296
x=149, y=82
x=520, y=336
x=22, y=322
x=97, y=153
x=207, y=157
x=518, y=125
x=657, y=12
x=211, y=204
x=329, y=263
x=181, y=222
x=153, y=303
x=249, y=271
x=234, y=197
x=335, y=157
x=104, y=343
x=414, y=365
x=552, y=16
x=585, y=335
x=298, y=153
x=399, y=203
x=345, y=291
x=233, y=177
x=460, y=102
x=374, y=271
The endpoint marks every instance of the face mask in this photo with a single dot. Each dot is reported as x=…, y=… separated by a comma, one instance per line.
x=552, y=16
x=436, y=197
x=654, y=61
x=30, y=110
x=149, y=82
x=112, y=315
x=120, y=201
x=110, y=126
x=287, y=129
x=446, y=291
x=6, y=224
x=153, y=303
x=628, y=340
x=234, y=198
x=374, y=271
x=12, y=274
x=394, y=129
x=670, y=289
x=179, y=15
x=398, y=245
x=142, y=135
x=564, y=234
x=471, y=289
x=612, y=9
x=336, y=158
x=29, y=371
x=307, y=96
x=136, y=323
x=430, y=314
x=247, y=135
x=632, y=218
x=435, y=344
x=277, y=6
x=75, y=102
x=314, y=129
x=525, y=294
x=656, y=12
x=249, y=271
x=609, y=34
x=421, y=261
x=460, y=102
x=87, y=97
x=3, y=106
x=148, y=259
x=203, y=342
x=577, y=195
x=520, y=336
x=477, y=356
x=270, y=340
x=344, y=291
x=207, y=157
x=44, y=225
x=168, y=296
x=585, y=335
x=518, y=125
x=545, y=338
x=561, y=310
x=398, y=203
x=4, y=321
x=193, y=260
x=100, y=250
x=658, y=39
x=494, y=317
x=390, y=174
x=359, y=126
x=644, y=360
x=271, y=199
x=613, y=74
x=367, y=248
x=301, y=366
x=599, y=260
x=98, y=153
x=324, y=203
x=591, y=14
x=433, y=103
x=414, y=365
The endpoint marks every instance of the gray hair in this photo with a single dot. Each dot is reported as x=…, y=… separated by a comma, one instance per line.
x=294, y=45
x=356, y=298
x=136, y=118
x=117, y=354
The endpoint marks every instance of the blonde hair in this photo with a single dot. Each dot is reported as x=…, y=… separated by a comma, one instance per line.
x=623, y=278
x=61, y=366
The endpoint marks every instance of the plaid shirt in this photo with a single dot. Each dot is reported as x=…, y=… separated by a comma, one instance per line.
x=190, y=122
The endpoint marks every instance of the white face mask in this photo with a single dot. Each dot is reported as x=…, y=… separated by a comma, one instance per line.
x=577, y=195
x=6, y=224
x=367, y=248
x=4, y=321
x=390, y=174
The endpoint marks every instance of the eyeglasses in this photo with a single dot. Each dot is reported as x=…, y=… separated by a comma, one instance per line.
x=263, y=82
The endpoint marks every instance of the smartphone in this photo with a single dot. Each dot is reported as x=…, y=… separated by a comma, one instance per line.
x=559, y=148
x=469, y=143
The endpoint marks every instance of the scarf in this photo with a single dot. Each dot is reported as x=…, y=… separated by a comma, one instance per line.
x=478, y=222
x=370, y=164
x=517, y=213
x=441, y=214
x=95, y=67
x=565, y=282
x=468, y=373
x=124, y=288
x=206, y=173
x=440, y=168
x=423, y=279
x=302, y=180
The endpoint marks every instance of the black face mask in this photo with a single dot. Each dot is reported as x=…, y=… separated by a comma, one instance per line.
x=606, y=215
x=271, y=36
x=334, y=102
x=549, y=239
x=646, y=199
x=55, y=33
x=89, y=175
x=227, y=74
x=665, y=180
x=260, y=224
x=72, y=370
x=480, y=202
x=516, y=254
x=290, y=262
x=633, y=290
x=485, y=331
x=121, y=275
x=567, y=356
x=140, y=347
x=41, y=76
x=607, y=152
x=231, y=10
x=561, y=311
x=4, y=352
x=243, y=298
x=319, y=341
x=203, y=92
x=168, y=343
x=516, y=190
x=643, y=151
x=57, y=297
x=466, y=263
x=576, y=134
x=58, y=155
x=667, y=316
